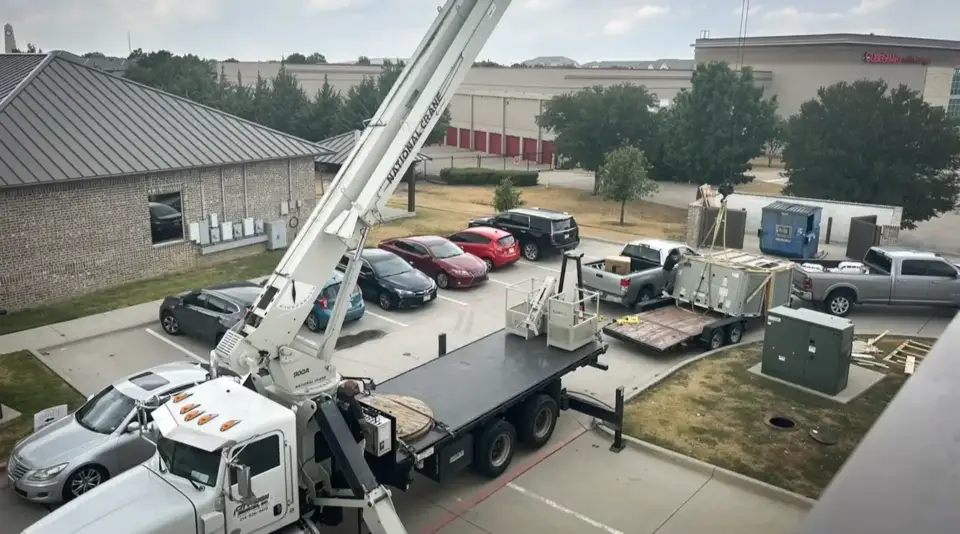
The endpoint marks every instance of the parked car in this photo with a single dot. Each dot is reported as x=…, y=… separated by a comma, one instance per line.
x=323, y=307
x=207, y=313
x=100, y=440
x=541, y=232
x=165, y=222
x=441, y=259
x=891, y=275
x=391, y=281
x=646, y=279
x=497, y=248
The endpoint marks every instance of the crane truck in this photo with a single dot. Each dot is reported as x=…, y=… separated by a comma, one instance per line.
x=264, y=445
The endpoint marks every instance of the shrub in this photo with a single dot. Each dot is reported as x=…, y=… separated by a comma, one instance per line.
x=474, y=176
x=506, y=197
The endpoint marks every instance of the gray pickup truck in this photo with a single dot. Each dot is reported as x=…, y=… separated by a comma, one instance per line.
x=895, y=276
x=646, y=278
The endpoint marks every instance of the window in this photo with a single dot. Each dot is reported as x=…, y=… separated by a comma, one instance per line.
x=218, y=305
x=941, y=269
x=331, y=291
x=520, y=220
x=195, y=299
x=106, y=411
x=955, y=83
x=565, y=224
x=913, y=268
x=953, y=108
x=445, y=250
x=166, y=219
x=404, y=247
x=261, y=456
x=149, y=381
x=417, y=248
x=391, y=265
x=878, y=261
x=365, y=269
x=189, y=462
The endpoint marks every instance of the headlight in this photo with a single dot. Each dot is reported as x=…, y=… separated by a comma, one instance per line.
x=460, y=272
x=404, y=293
x=41, y=475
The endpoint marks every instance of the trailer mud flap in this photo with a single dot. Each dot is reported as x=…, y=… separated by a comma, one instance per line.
x=598, y=410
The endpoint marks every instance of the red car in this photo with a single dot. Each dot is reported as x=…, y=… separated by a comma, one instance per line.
x=496, y=248
x=437, y=257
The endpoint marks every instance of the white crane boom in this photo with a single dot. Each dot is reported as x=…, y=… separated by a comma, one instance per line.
x=268, y=336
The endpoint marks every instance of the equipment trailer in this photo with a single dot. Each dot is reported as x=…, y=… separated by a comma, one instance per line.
x=663, y=325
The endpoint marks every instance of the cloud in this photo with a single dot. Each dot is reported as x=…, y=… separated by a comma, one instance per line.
x=332, y=5
x=794, y=21
x=627, y=20
x=737, y=11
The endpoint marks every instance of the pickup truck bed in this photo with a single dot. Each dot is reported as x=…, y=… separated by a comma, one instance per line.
x=665, y=326
x=468, y=385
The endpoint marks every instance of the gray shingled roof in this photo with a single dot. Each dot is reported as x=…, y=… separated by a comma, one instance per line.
x=340, y=146
x=66, y=121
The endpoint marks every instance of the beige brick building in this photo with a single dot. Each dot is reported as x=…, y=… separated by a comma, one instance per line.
x=104, y=181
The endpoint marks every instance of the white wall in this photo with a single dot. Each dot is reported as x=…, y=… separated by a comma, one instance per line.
x=936, y=90
x=841, y=212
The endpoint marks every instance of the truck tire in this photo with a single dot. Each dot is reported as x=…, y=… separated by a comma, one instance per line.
x=538, y=419
x=494, y=448
x=839, y=302
x=644, y=295
x=717, y=339
x=734, y=333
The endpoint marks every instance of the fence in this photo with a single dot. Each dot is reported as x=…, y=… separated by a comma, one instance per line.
x=479, y=160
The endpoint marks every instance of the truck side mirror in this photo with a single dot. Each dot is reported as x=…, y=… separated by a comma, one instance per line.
x=241, y=475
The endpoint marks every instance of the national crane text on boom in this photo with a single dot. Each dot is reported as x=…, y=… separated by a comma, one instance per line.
x=411, y=145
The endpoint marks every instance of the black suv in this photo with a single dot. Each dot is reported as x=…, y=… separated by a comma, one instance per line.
x=541, y=232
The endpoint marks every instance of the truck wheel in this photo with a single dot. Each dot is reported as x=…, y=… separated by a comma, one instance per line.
x=734, y=333
x=717, y=338
x=537, y=421
x=495, y=448
x=839, y=303
x=531, y=251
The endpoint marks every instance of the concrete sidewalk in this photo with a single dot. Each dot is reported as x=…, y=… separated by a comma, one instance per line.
x=80, y=329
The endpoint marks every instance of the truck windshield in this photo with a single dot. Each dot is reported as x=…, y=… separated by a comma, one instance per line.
x=189, y=462
x=642, y=252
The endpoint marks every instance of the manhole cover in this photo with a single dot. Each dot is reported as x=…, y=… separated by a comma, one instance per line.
x=781, y=423
x=822, y=436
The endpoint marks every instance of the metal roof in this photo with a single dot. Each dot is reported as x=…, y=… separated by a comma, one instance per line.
x=14, y=68
x=828, y=39
x=790, y=207
x=67, y=121
x=339, y=148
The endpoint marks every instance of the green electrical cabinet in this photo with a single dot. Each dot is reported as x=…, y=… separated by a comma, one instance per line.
x=808, y=348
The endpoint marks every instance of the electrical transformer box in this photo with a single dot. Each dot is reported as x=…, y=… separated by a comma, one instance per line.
x=734, y=282
x=808, y=348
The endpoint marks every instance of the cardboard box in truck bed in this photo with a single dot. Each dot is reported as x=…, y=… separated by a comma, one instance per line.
x=617, y=265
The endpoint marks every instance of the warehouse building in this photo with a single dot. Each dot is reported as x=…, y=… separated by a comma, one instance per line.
x=105, y=181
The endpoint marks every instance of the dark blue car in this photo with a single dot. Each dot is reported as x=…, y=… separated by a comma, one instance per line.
x=323, y=307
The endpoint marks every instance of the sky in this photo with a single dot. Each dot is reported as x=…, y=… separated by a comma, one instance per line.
x=342, y=30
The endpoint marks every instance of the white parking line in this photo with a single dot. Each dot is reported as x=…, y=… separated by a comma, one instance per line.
x=448, y=299
x=545, y=268
x=177, y=346
x=561, y=508
x=501, y=282
x=387, y=319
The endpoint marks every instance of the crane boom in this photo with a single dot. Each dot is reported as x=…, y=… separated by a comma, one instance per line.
x=268, y=336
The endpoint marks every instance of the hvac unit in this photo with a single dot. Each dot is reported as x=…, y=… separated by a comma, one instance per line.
x=808, y=348
x=276, y=234
x=733, y=282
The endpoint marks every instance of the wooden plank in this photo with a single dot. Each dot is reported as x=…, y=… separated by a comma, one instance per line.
x=873, y=341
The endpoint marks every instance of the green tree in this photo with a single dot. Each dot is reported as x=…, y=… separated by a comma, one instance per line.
x=187, y=76
x=363, y=60
x=718, y=126
x=623, y=177
x=321, y=114
x=486, y=63
x=506, y=196
x=94, y=55
x=862, y=142
x=597, y=120
x=287, y=103
x=774, y=146
x=316, y=58
x=31, y=49
x=295, y=59
x=360, y=104
x=260, y=103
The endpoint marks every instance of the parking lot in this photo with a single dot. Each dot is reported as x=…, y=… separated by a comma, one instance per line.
x=579, y=488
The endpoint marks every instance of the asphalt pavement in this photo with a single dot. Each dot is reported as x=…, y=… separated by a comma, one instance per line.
x=573, y=485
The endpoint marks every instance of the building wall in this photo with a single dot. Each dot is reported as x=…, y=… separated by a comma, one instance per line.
x=64, y=240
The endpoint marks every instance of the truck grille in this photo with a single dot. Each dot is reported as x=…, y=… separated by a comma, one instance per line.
x=16, y=468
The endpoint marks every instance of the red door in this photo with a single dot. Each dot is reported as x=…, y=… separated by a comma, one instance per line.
x=451, y=137
x=529, y=149
x=480, y=141
x=496, y=143
x=513, y=146
x=464, y=138
x=546, y=153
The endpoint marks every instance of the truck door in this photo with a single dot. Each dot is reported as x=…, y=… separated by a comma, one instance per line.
x=264, y=456
x=943, y=287
x=911, y=285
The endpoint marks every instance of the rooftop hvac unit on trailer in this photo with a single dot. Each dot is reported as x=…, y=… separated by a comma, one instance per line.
x=734, y=282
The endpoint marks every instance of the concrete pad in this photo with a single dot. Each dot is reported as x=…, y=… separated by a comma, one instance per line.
x=859, y=381
x=720, y=508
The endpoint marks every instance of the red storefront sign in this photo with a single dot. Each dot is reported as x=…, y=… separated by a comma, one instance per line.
x=893, y=59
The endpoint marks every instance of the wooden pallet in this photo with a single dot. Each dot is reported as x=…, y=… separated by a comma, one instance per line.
x=909, y=354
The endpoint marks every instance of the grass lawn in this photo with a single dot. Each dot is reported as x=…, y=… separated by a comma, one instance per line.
x=427, y=221
x=596, y=217
x=29, y=386
x=716, y=411
x=763, y=188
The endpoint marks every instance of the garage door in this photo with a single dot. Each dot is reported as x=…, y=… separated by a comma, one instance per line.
x=513, y=146
x=529, y=149
x=546, y=153
x=464, y=138
x=480, y=141
x=496, y=143
x=451, y=137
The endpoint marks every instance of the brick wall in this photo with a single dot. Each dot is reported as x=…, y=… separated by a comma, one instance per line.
x=64, y=240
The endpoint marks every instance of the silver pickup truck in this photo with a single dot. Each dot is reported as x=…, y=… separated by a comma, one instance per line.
x=646, y=278
x=894, y=276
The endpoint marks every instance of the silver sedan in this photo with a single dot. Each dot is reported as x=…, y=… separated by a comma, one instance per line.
x=100, y=440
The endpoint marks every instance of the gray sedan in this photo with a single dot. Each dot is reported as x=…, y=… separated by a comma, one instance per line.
x=100, y=440
x=205, y=314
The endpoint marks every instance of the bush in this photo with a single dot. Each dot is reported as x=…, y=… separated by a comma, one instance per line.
x=506, y=197
x=473, y=176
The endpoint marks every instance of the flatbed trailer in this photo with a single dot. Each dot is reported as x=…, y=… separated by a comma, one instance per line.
x=498, y=386
x=663, y=325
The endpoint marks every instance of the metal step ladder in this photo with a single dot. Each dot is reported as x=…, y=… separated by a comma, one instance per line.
x=539, y=303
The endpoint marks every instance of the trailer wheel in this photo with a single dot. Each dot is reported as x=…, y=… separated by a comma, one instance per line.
x=717, y=338
x=537, y=421
x=734, y=333
x=495, y=448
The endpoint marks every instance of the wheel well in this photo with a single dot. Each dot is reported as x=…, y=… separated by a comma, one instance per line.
x=842, y=290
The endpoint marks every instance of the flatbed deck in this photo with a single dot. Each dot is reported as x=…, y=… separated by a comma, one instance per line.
x=663, y=328
x=468, y=384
